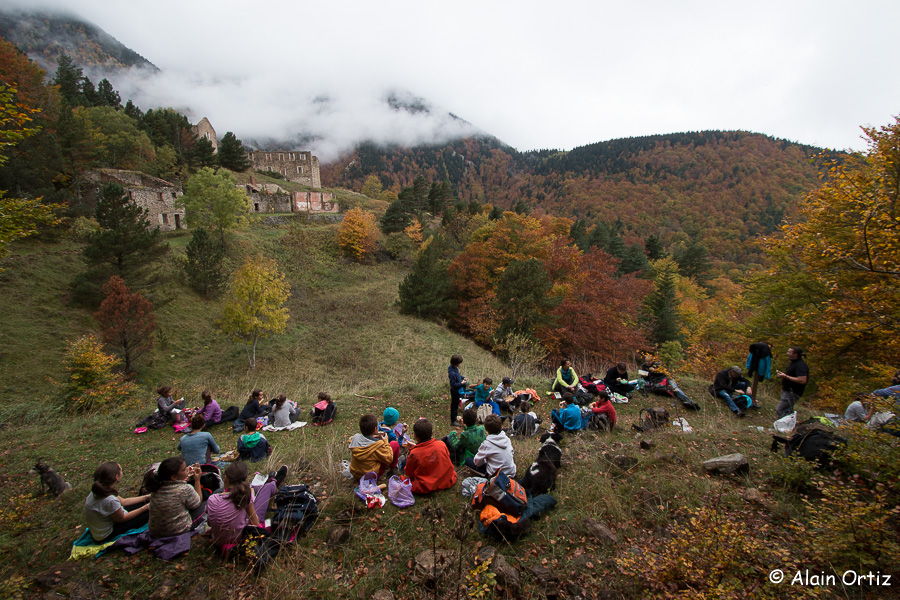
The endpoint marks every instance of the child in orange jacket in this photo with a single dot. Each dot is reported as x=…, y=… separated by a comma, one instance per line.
x=428, y=466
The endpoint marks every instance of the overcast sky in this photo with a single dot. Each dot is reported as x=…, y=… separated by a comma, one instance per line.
x=534, y=74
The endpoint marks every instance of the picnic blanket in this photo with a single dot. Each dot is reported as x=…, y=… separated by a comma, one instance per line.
x=294, y=425
x=86, y=546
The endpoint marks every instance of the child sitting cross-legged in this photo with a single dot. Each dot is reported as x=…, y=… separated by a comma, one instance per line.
x=396, y=432
x=428, y=466
x=603, y=406
x=568, y=416
x=483, y=395
x=465, y=444
x=496, y=451
x=370, y=449
x=252, y=445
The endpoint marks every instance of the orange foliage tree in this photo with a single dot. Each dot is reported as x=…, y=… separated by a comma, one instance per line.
x=358, y=234
x=127, y=321
x=588, y=312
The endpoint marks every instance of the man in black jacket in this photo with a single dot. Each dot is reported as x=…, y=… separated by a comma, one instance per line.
x=727, y=382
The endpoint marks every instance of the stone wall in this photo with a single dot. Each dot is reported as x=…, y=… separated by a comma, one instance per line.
x=204, y=129
x=299, y=167
x=315, y=202
x=155, y=195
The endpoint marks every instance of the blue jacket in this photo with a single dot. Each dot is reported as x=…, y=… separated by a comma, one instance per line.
x=456, y=378
x=570, y=417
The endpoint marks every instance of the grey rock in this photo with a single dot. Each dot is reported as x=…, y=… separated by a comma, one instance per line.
x=727, y=465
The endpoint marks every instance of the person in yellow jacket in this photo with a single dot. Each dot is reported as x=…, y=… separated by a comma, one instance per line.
x=370, y=449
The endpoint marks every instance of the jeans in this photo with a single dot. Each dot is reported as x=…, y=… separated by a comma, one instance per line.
x=786, y=404
x=727, y=398
x=470, y=462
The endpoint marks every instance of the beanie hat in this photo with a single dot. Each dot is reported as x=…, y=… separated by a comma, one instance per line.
x=391, y=416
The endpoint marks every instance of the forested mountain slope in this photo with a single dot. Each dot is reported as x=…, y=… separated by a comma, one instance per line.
x=723, y=187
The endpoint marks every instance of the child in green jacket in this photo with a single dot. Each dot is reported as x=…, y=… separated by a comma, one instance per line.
x=465, y=444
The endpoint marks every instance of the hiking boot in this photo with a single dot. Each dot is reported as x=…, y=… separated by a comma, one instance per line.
x=740, y=414
x=280, y=475
x=755, y=406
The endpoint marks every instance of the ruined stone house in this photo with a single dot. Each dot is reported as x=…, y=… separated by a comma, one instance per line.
x=297, y=166
x=204, y=129
x=271, y=198
x=155, y=195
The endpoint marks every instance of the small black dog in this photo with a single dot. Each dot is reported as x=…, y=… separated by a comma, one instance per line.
x=50, y=479
x=540, y=477
x=550, y=448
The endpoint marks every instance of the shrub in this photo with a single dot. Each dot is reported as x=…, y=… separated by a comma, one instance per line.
x=92, y=383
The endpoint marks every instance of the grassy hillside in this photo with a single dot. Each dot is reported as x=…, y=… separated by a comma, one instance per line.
x=346, y=337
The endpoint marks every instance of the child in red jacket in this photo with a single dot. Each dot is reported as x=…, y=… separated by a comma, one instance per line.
x=428, y=466
x=605, y=407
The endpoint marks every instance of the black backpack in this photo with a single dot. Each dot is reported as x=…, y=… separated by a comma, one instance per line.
x=813, y=445
x=524, y=424
x=295, y=503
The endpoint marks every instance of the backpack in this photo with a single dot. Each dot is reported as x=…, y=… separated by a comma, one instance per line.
x=500, y=491
x=582, y=396
x=524, y=424
x=295, y=503
x=592, y=387
x=484, y=411
x=323, y=413
x=814, y=445
x=600, y=422
x=651, y=418
x=742, y=401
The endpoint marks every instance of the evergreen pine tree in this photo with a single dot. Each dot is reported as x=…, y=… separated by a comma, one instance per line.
x=578, y=233
x=654, y=248
x=420, y=191
x=231, y=153
x=201, y=154
x=126, y=246
x=521, y=208
x=204, y=263
x=523, y=299
x=399, y=215
x=496, y=213
x=107, y=95
x=634, y=260
x=693, y=261
x=661, y=304
x=68, y=77
x=426, y=291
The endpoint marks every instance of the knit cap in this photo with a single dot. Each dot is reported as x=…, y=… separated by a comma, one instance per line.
x=391, y=416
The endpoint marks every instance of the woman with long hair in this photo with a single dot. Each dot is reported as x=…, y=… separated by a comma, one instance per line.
x=240, y=506
x=104, y=510
x=174, y=504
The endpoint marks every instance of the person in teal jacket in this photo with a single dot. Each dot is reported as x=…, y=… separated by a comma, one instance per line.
x=566, y=378
x=566, y=418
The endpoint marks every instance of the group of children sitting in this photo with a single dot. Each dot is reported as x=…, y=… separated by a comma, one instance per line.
x=430, y=464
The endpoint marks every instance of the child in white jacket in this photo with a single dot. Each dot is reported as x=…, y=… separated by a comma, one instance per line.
x=496, y=451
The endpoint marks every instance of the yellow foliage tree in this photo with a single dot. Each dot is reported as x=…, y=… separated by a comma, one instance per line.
x=358, y=234
x=834, y=283
x=92, y=382
x=414, y=232
x=254, y=307
x=372, y=186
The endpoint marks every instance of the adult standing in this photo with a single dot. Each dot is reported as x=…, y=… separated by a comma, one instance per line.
x=759, y=364
x=793, y=381
x=457, y=382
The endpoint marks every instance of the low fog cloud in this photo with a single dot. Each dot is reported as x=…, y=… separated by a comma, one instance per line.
x=531, y=74
x=266, y=111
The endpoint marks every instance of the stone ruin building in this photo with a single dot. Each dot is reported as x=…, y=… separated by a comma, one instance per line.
x=204, y=129
x=300, y=167
x=271, y=198
x=155, y=195
x=297, y=166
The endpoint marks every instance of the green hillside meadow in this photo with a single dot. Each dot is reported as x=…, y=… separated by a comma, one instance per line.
x=345, y=336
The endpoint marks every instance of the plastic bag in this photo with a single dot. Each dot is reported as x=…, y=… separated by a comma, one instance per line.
x=400, y=492
x=368, y=484
x=682, y=424
x=786, y=423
